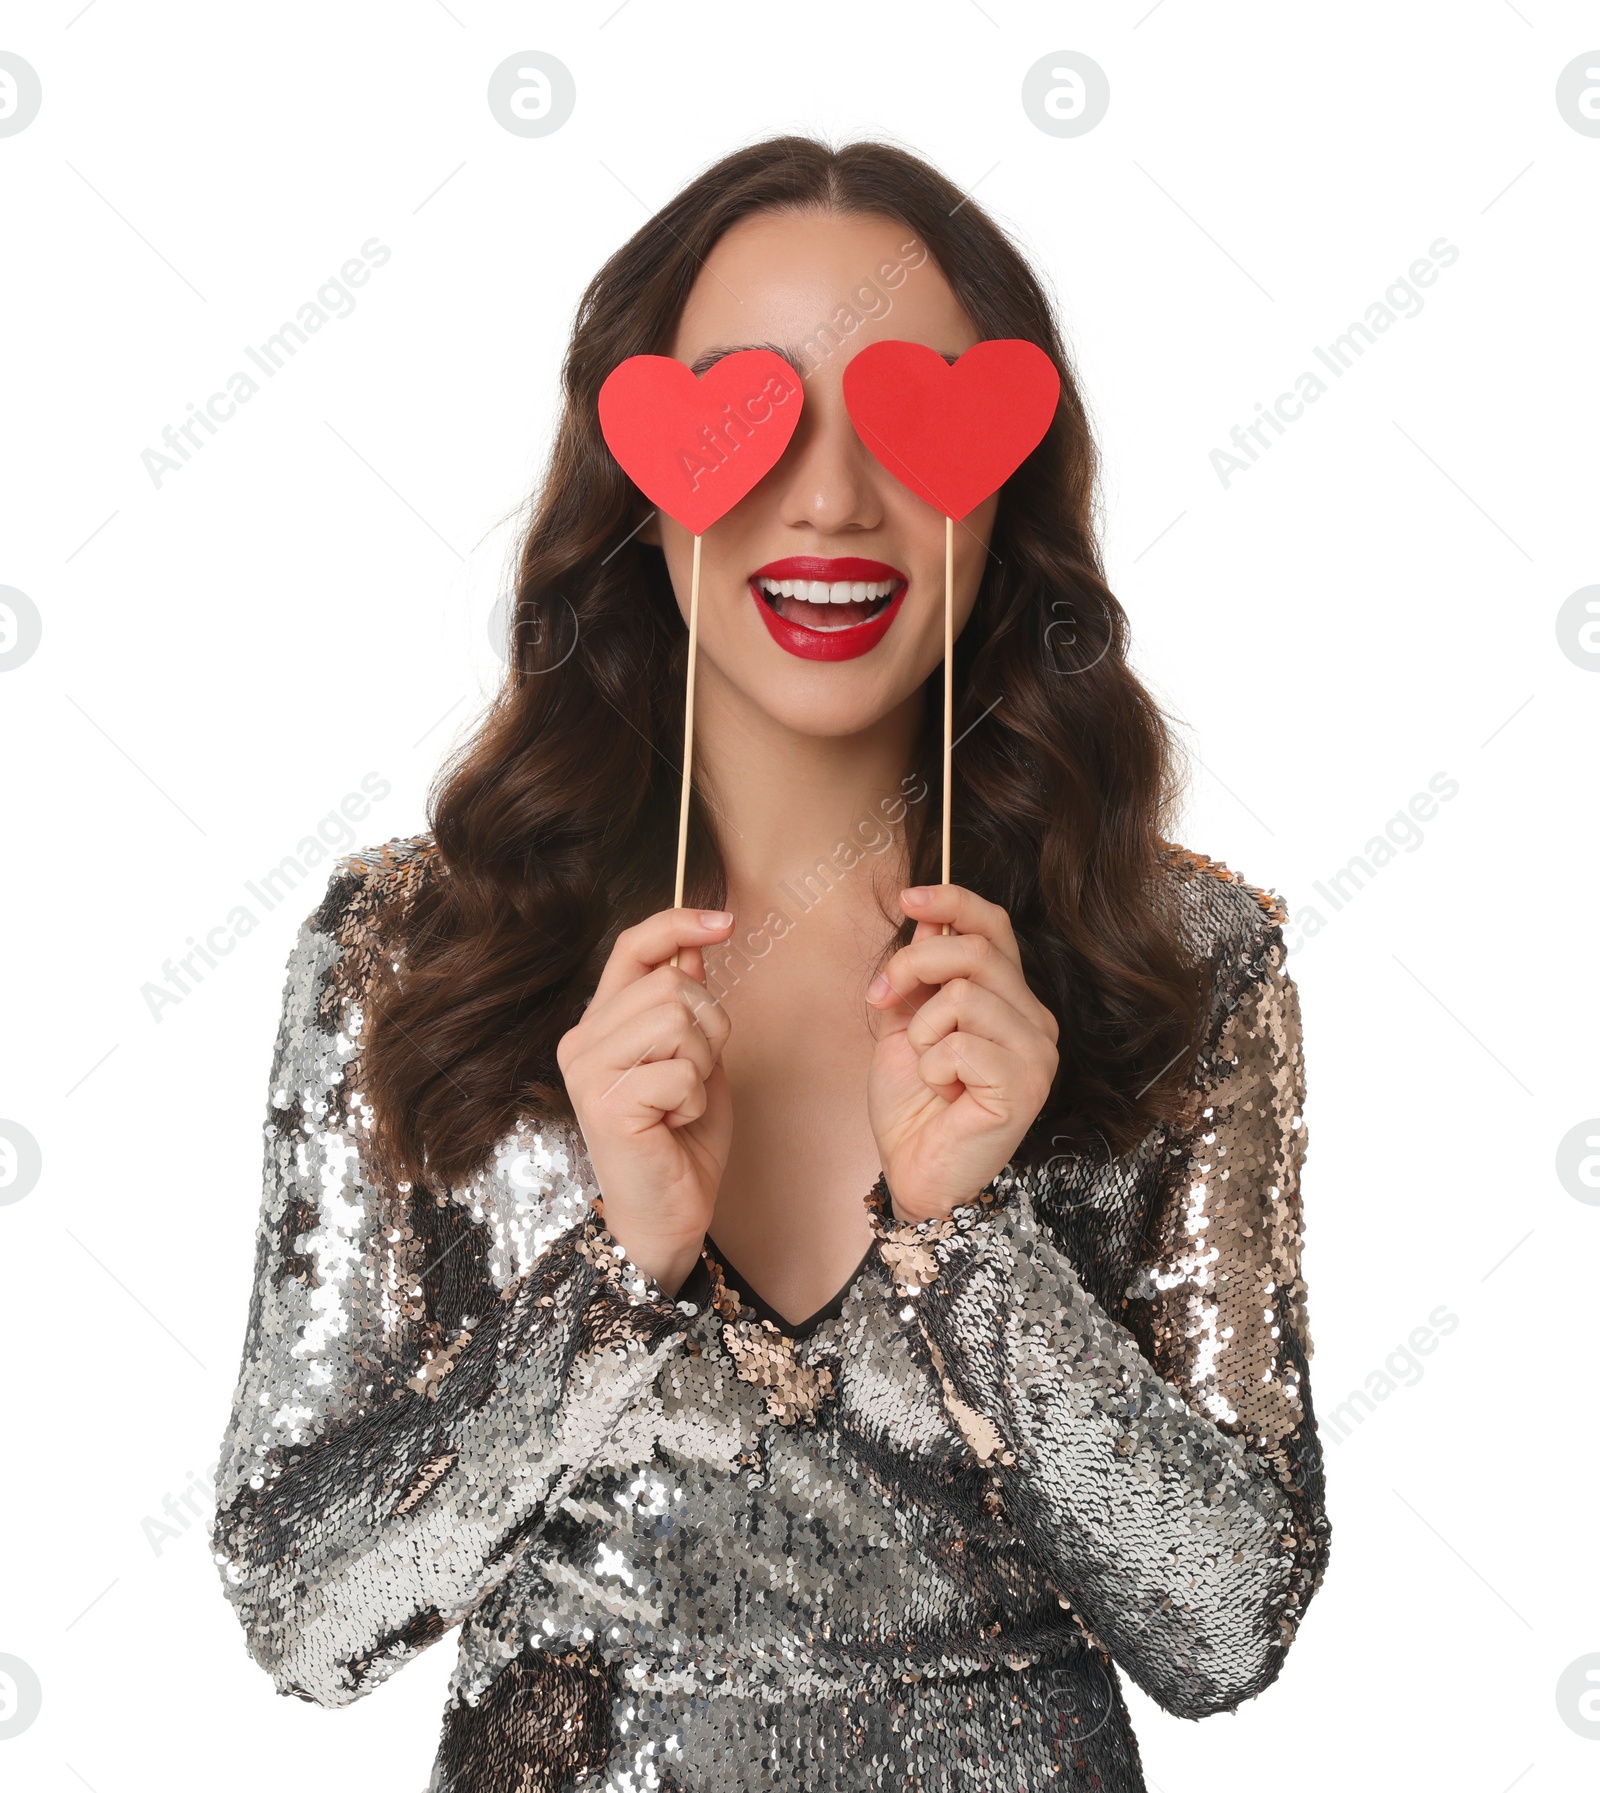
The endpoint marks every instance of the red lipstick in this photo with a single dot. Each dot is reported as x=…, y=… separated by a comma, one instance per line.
x=846, y=641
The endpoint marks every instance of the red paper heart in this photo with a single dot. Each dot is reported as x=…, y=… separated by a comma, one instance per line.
x=952, y=433
x=695, y=447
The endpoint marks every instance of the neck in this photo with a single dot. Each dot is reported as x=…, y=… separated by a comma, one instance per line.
x=781, y=801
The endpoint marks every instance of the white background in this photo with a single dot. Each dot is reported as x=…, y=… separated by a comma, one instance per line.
x=307, y=601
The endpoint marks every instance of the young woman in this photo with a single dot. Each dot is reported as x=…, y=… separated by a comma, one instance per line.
x=824, y=1362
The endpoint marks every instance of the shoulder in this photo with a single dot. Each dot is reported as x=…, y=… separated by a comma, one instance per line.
x=374, y=885
x=362, y=914
x=1215, y=901
x=1223, y=920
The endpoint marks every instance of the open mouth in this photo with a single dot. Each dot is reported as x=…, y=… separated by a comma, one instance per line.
x=823, y=604
x=827, y=609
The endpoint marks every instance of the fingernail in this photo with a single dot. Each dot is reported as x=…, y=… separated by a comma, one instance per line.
x=914, y=895
x=714, y=918
x=879, y=987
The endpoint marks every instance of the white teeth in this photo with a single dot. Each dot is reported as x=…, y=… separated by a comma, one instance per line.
x=816, y=591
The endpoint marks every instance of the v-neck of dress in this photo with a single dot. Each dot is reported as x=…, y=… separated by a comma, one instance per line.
x=698, y=1288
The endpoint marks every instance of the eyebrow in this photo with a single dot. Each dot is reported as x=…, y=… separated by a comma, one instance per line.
x=712, y=356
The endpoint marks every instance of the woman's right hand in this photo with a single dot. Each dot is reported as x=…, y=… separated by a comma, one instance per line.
x=643, y=1068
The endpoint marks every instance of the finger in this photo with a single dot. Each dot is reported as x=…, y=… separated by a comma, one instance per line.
x=690, y=1109
x=968, y=1007
x=965, y=910
x=660, y=1033
x=652, y=942
x=708, y=1014
x=664, y=1089
x=991, y=1074
x=896, y=1005
x=936, y=958
x=712, y=1102
x=659, y=989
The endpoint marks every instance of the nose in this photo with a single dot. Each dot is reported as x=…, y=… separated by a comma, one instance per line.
x=827, y=480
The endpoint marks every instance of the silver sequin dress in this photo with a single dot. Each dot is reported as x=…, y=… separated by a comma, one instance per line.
x=1065, y=1432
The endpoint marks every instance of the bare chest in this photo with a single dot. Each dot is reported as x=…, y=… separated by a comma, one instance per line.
x=790, y=1218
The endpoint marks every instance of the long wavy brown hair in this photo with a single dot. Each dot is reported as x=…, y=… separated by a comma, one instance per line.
x=556, y=823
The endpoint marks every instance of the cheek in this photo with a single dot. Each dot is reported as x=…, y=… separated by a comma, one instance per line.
x=739, y=542
x=727, y=559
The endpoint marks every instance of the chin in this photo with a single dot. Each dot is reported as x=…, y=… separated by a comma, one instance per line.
x=823, y=701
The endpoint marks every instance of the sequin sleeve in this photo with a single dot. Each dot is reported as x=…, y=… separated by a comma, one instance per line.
x=400, y=1425
x=1155, y=1448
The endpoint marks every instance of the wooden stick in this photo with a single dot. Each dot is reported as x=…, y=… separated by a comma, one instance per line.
x=688, y=736
x=949, y=683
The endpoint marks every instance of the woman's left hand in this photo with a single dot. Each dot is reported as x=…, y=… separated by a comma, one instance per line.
x=965, y=1055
